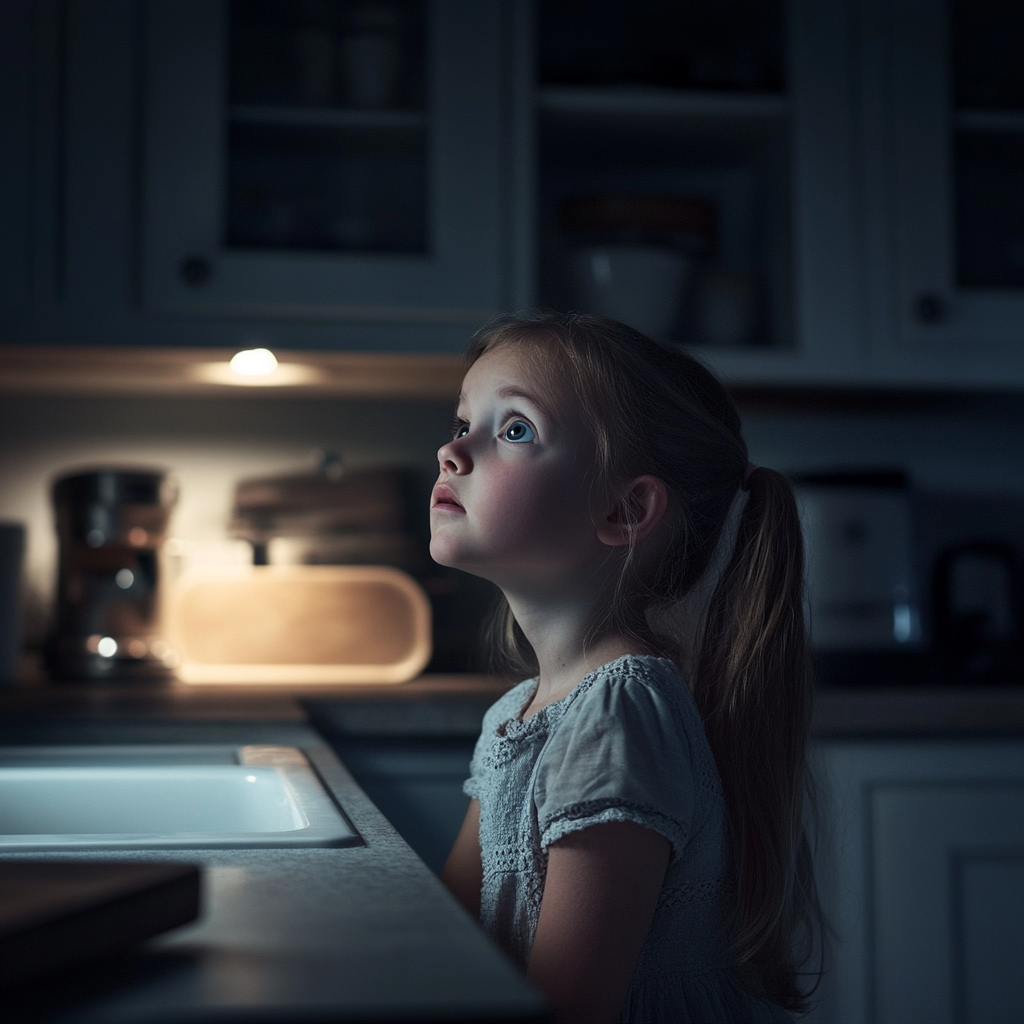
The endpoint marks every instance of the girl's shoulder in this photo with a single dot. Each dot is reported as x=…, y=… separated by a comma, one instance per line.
x=628, y=745
x=643, y=684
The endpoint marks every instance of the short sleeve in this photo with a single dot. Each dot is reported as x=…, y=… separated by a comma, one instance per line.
x=620, y=753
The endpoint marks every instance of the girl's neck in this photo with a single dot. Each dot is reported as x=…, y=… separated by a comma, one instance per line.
x=566, y=650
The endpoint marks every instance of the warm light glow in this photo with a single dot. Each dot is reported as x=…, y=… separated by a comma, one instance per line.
x=259, y=368
x=254, y=362
x=107, y=647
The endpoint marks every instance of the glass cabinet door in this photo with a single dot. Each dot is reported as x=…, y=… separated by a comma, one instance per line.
x=957, y=151
x=323, y=158
x=694, y=177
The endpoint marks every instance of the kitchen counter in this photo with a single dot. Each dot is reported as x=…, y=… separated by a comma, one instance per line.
x=359, y=933
x=447, y=706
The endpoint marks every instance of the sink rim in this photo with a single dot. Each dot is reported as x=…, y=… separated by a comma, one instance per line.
x=328, y=826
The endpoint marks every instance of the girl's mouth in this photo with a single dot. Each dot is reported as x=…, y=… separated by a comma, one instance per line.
x=444, y=498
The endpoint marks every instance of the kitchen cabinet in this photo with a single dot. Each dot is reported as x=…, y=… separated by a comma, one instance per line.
x=748, y=105
x=333, y=161
x=923, y=877
x=162, y=187
x=943, y=153
x=146, y=158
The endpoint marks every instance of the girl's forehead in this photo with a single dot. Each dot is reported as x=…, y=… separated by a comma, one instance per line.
x=512, y=371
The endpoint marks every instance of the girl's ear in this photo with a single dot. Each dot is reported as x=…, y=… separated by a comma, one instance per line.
x=639, y=507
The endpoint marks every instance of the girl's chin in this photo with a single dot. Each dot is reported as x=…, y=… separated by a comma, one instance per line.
x=455, y=556
x=446, y=554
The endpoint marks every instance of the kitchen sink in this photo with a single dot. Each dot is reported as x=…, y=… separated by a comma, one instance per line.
x=69, y=798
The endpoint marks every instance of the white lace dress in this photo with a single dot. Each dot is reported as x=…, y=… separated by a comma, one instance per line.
x=627, y=744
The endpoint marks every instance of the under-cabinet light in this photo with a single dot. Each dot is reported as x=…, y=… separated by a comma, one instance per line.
x=256, y=367
x=254, y=362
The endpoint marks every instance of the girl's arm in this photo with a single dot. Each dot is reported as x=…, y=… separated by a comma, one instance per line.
x=463, y=872
x=599, y=899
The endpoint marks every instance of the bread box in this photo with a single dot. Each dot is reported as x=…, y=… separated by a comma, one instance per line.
x=299, y=624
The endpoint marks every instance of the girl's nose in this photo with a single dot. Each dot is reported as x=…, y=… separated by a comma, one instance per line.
x=454, y=457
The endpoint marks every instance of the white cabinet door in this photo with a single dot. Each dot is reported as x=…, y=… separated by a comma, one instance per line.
x=924, y=881
x=457, y=278
x=937, y=319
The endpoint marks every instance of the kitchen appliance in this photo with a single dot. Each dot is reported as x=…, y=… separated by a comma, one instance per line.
x=299, y=624
x=861, y=589
x=632, y=256
x=332, y=516
x=111, y=524
x=978, y=614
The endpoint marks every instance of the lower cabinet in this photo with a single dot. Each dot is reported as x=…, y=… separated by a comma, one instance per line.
x=922, y=869
x=416, y=784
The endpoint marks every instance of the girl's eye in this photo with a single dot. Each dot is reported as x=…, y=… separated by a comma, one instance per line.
x=519, y=432
x=460, y=428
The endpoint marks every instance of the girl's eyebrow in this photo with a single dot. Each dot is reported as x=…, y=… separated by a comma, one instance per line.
x=513, y=392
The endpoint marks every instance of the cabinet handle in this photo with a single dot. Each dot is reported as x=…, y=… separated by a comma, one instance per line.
x=930, y=308
x=195, y=271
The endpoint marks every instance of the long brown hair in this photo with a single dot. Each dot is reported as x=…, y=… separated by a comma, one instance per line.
x=651, y=409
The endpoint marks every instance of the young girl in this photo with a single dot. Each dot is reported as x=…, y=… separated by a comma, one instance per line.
x=635, y=837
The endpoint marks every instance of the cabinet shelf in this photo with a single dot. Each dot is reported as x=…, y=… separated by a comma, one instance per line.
x=327, y=117
x=643, y=101
x=990, y=120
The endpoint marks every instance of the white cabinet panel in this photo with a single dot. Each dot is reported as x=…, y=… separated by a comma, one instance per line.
x=922, y=869
x=935, y=324
x=989, y=933
x=933, y=847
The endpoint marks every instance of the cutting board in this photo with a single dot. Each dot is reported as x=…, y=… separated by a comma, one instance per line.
x=56, y=914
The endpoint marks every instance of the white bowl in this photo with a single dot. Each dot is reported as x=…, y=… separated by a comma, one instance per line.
x=641, y=285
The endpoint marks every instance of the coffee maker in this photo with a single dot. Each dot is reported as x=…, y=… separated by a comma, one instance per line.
x=111, y=525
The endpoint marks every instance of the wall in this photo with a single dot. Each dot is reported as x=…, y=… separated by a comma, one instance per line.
x=964, y=461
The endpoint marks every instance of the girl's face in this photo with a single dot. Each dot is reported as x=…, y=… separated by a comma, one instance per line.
x=513, y=502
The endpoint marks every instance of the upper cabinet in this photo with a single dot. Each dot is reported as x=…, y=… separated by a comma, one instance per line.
x=944, y=183
x=807, y=192
x=324, y=159
x=695, y=172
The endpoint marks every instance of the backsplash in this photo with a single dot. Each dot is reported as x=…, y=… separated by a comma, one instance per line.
x=965, y=467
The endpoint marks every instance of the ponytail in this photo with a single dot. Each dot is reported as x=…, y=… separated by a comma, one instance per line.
x=752, y=686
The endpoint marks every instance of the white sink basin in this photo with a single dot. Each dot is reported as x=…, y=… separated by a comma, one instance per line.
x=129, y=797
